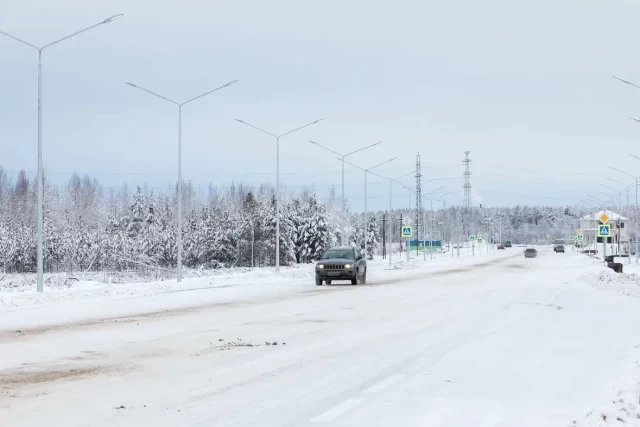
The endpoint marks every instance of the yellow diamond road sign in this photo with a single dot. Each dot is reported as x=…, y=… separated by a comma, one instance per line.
x=604, y=218
x=579, y=231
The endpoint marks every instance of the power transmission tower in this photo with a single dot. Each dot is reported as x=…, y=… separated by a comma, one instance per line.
x=467, y=180
x=418, y=196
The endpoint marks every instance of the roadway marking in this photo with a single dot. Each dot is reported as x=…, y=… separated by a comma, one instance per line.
x=337, y=410
x=386, y=383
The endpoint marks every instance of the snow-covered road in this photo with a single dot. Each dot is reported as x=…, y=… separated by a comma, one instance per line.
x=497, y=340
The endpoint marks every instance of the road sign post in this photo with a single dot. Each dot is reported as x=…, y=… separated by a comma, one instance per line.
x=406, y=231
x=604, y=231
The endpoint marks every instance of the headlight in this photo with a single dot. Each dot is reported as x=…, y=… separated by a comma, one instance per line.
x=348, y=266
x=320, y=266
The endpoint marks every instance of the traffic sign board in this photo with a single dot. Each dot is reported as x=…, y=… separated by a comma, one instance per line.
x=479, y=239
x=604, y=230
x=604, y=218
x=472, y=237
x=579, y=230
x=579, y=237
x=406, y=231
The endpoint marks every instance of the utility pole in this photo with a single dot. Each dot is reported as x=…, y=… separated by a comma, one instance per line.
x=390, y=221
x=418, y=199
x=384, y=236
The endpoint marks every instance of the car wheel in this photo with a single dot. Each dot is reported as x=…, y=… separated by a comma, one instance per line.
x=328, y=282
x=364, y=277
x=318, y=281
x=354, y=281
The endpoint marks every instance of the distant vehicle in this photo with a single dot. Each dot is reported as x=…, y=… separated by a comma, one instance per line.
x=530, y=253
x=342, y=263
x=558, y=243
x=500, y=246
x=507, y=244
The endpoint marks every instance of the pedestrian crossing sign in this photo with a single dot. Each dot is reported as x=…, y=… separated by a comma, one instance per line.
x=604, y=230
x=406, y=231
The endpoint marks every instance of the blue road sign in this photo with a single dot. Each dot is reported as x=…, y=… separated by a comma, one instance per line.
x=604, y=230
x=406, y=231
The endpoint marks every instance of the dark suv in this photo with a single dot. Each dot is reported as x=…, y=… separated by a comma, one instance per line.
x=342, y=263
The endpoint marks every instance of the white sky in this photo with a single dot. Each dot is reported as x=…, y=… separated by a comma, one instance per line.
x=526, y=86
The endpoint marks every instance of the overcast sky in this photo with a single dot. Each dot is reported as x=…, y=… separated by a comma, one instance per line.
x=525, y=86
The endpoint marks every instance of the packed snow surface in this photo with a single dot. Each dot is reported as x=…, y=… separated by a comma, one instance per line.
x=485, y=340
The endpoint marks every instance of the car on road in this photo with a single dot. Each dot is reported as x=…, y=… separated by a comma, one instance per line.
x=500, y=246
x=507, y=244
x=342, y=263
x=558, y=245
x=530, y=253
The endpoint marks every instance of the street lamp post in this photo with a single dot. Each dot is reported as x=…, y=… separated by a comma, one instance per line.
x=343, y=156
x=616, y=191
x=277, y=137
x=366, y=220
x=623, y=184
x=40, y=208
x=431, y=218
x=636, y=210
x=180, y=105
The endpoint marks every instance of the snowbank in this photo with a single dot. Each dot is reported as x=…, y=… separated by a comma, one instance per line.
x=605, y=278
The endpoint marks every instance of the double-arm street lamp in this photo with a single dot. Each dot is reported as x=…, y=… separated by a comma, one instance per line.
x=40, y=262
x=180, y=105
x=366, y=220
x=277, y=138
x=627, y=187
x=616, y=191
x=342, y=157
x=632, y=176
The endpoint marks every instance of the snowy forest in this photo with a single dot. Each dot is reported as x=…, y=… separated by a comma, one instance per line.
x=133, y=228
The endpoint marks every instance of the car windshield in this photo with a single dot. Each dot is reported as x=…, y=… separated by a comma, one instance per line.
x=339, y=254
x=531, y=250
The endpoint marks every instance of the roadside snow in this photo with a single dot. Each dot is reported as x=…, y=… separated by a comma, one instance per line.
x=491, y=340
x=19, y=291
x=605, y=278
x=624, y=407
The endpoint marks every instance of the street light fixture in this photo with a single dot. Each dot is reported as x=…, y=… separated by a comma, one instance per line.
x=632, y=176
x=366, y=171
x=180, y=105
x=621, y=183
x=410, y=190
x=625, y=81
x=609, y=196
x=635, y=118
x=40, y=209
x=614, y=190
x=277, y=137
x=431, y=216
x=343, y=156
